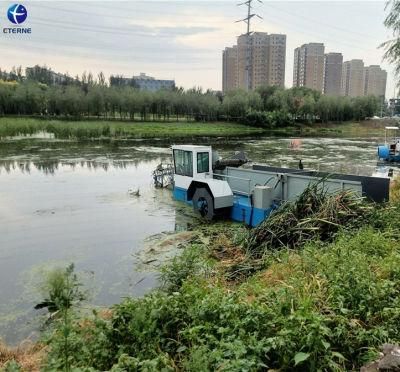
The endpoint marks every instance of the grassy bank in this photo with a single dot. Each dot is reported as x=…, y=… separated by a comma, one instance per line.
x=351, y=128
x=103, y=129
x=323, y=296
x=121, y=130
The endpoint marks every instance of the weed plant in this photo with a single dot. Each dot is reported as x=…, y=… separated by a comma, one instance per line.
x=316, y=214
x=63, y=293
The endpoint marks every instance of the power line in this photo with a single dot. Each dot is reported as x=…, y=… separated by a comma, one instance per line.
x=97, y=29
x=84, y=50
x=100, y=28
x=323, y=37
x=297, y=16
x=125, y=16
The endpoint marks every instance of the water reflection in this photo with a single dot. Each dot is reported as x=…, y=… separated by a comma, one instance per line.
x=47, y=157
x=51, y=166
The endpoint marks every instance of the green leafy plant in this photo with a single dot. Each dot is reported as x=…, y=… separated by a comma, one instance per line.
x=62, y=290
x=188, y=264
x=12, y=366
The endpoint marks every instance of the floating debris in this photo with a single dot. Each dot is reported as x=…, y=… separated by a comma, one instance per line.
x=134, y=192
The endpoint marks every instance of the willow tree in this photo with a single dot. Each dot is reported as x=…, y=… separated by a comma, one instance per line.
x=392, y=47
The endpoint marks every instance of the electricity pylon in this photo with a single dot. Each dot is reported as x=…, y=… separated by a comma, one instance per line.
x=247, y=20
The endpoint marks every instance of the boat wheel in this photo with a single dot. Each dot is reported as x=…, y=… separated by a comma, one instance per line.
x=203, y=203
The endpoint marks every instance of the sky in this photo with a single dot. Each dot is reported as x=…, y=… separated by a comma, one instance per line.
x=183, y=40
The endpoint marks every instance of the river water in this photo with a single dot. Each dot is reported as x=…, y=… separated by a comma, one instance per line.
x=64, y=202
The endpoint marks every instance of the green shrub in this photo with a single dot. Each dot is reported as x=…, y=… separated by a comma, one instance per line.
x=12, y=366
x=258, y=119
x=268, y=119
x=62, y=289
x=190, y=263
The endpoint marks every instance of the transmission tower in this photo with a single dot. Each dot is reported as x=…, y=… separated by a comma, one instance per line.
x=247, y=20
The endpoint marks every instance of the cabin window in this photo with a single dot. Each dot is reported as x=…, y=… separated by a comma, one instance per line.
x=183, y=161
x=203, y=162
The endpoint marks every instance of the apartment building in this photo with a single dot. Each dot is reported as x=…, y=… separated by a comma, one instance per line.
x=353, y=78
x=260, y=60
x=308, y=67
x=375, y=81
x=229, y=69
x=333, y=67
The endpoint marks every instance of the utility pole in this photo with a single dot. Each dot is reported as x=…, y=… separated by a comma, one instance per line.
x=247, y=20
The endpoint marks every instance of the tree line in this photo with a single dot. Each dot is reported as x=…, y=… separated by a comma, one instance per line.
x=93, y=97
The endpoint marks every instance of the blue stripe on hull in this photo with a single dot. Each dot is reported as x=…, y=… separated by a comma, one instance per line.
x=241, y=211
x=260, y=215
x=180, y=194
x=395, y=159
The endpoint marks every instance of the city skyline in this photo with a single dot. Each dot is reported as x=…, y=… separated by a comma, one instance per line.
x=183, y=41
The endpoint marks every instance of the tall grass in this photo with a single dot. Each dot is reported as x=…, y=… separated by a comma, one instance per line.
x=84, y=130
x=395, y=190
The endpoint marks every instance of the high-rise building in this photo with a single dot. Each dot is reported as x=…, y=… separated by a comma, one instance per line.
x=260, y=61
x=353, y=78
x=375, y=81
x=308, y=68
x=244, y=61
x=276, y=61
x=229, y=69
x=333, y=74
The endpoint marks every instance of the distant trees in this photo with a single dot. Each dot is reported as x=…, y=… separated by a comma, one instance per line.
x=307, y=105
x=91, y=96
x=14, y=75
x=40, y=74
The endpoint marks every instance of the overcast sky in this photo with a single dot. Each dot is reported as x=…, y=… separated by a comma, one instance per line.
x=183, y=40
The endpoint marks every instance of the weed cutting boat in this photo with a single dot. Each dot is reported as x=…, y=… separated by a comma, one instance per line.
x=249, y=195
